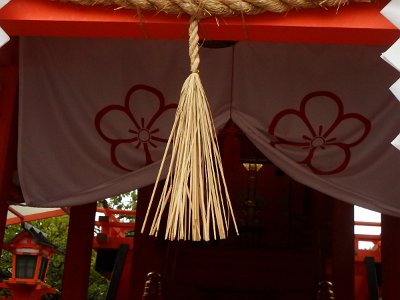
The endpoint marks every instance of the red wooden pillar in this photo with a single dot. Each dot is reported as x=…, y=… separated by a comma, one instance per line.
x=390, y=257
x=79, y=252
x=343, y=250
x=3, y=217
x=148, y=252
x=8, y=134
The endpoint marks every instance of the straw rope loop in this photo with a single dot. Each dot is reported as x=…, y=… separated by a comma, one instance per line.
x=194, y=45
x=217, y=8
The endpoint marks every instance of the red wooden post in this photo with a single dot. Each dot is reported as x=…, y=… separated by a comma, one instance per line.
x=148, y=252
x=390, y=257
x=8, y=81
x=79, y=252
x=343, y=250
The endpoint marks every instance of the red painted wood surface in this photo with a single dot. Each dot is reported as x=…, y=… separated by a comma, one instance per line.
x=390, y=257
x=79, y=251
x=343, y=250
x=28, y=291
x=288, y=242
x=8, y=92
x=33, y=217
x=357, y=23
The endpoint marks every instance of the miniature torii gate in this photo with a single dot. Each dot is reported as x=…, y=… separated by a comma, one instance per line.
x=48, y=18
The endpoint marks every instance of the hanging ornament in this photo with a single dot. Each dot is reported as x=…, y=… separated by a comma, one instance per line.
x=325, y=291
x=195, y=194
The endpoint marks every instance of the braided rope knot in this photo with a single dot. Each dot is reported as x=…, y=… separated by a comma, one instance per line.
x=219, y=8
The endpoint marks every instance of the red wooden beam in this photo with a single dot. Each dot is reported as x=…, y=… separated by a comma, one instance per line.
x=357, y=23
x=37, y=216
x=127, y=225
x=19, y=218
x=364, y=223
x=111, y=211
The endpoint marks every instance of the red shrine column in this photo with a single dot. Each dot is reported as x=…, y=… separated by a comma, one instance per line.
x=79, y=252
x=390, y=248
x=343, y=250
x=334, y=241
x=149, y=253
x=8, y=125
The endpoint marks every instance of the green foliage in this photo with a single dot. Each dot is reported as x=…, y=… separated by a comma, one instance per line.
x=125, y=201
x=6, y=257
x=57, y=231
x=98, y=285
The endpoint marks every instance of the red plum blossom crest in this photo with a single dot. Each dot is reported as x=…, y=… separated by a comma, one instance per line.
x=319, y=134
x=136, y=128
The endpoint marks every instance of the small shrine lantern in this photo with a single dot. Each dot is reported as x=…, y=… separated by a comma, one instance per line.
x=31, y=254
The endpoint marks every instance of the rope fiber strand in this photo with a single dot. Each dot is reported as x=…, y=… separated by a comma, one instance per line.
x=216, y=8
x=195, y=192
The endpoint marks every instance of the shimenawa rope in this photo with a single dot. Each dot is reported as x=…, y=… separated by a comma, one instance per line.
x=217, y=8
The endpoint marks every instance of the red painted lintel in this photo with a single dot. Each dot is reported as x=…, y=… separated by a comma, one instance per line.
x=19, y=216
x=44, y=215
x=358, y=23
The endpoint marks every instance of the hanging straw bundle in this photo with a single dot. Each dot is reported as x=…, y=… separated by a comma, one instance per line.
x=195, y=191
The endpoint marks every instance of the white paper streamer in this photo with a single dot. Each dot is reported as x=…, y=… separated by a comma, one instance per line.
x=392, y=12
x=4, y=38
x=3, y=2
x=396, y=142
x=395, y=89
x=392, y=55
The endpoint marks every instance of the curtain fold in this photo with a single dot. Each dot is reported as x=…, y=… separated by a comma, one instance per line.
x=95, y=114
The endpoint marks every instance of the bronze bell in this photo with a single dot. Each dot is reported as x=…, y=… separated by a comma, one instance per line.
x=152, y=287
x=325, y=291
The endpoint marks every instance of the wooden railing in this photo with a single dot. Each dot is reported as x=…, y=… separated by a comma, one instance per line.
x=112, y=231
x=374, y=250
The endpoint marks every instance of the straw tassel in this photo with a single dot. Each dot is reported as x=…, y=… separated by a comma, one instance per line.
x=195, y=192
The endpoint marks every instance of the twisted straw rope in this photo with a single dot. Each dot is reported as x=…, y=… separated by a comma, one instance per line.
x=195, y=193
x=194, y=45
x=218, y=8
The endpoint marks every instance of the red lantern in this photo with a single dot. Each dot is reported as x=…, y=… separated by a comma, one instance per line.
x=31, y=257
